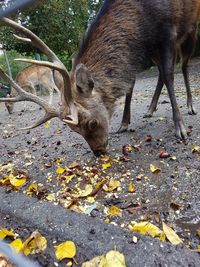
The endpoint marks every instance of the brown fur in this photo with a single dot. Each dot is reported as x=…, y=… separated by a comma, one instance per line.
x=122, y=40
x=32, y=76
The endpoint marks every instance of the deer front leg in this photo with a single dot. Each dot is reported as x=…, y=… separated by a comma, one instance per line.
x=167, y=72
x=154, y=101
x=126, y=119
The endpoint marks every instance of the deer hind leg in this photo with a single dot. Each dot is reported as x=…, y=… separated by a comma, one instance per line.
x=29, y=87
x=168, y=55
x=126, y=119
x=186, y=51
x=154, y=101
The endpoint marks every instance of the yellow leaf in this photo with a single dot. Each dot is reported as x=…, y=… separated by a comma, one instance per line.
x=34, y=244
x=60, y=170
x=154, y=169
x=17, y=182
x=111, y=259
x=112, y=185
x=195, y=149
x=17, y=244
x=95, y=262
x=114, y=211
x=4, y=233
x=51, y=197
x=198, y=248
x=86, y=192
x=131, y=187
x=114, y=258
x=65, y=250
x=32, y=187
x=70, y=263
x=161, y=119
x=106, y=165
x=47, y=124
x=147, y=228
x=171, y=235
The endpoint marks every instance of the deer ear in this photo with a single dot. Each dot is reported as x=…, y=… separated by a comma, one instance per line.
x=93, y=124
x=84, y=81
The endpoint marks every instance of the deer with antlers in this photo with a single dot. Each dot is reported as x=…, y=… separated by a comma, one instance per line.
x=33, y=76
x=123, y=36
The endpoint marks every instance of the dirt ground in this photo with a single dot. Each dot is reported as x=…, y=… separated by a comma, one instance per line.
x=171, y=195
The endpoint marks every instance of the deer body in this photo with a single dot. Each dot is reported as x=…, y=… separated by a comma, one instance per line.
x=35, y=75
x=123, y=39
x=125, y=35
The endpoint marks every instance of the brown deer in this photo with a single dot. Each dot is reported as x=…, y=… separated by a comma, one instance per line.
x=35, y=75
x=123, y=37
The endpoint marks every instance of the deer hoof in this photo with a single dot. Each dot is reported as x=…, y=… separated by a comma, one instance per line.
x=123, y=128
x=192, y=111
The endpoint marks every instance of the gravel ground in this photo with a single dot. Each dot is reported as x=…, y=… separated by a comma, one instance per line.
x=172, y=195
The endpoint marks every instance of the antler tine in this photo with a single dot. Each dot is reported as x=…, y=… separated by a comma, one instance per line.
x=46, y=118
x=37, y=42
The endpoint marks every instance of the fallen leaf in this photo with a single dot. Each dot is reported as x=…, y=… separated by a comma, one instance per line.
x=60, y=170
x=95, y=262
x=106, y=165
x=161, y=118
x=111, y=259
x=146, y=228
x=154, y=169
x=173, y=158
x=34, y=244
x=127, y=149
x=17, y=244
x=163, y=154
x=4, y=233
x=51, y=197
x=65, y=250
x=17, y=182
x=131, y=187
x=114, y=258
x=86, y=192
x=47, y=124
x=114, y=211
x=112, y=185
x=171, y=235
x=195, y=149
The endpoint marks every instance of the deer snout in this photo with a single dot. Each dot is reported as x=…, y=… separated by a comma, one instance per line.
x=101, y=150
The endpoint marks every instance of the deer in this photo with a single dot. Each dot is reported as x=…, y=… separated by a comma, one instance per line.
x=34, y=75
x=124, y=35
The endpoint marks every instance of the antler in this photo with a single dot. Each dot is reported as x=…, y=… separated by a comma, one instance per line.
x=71, y=117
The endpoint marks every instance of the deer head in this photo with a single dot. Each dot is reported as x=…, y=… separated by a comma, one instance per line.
x=81, y=106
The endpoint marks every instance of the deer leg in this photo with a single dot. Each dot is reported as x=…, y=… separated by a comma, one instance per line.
x=126, y=119
x=167, y=72
x=51, y=95
x=154, y=101
x=186, y=52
